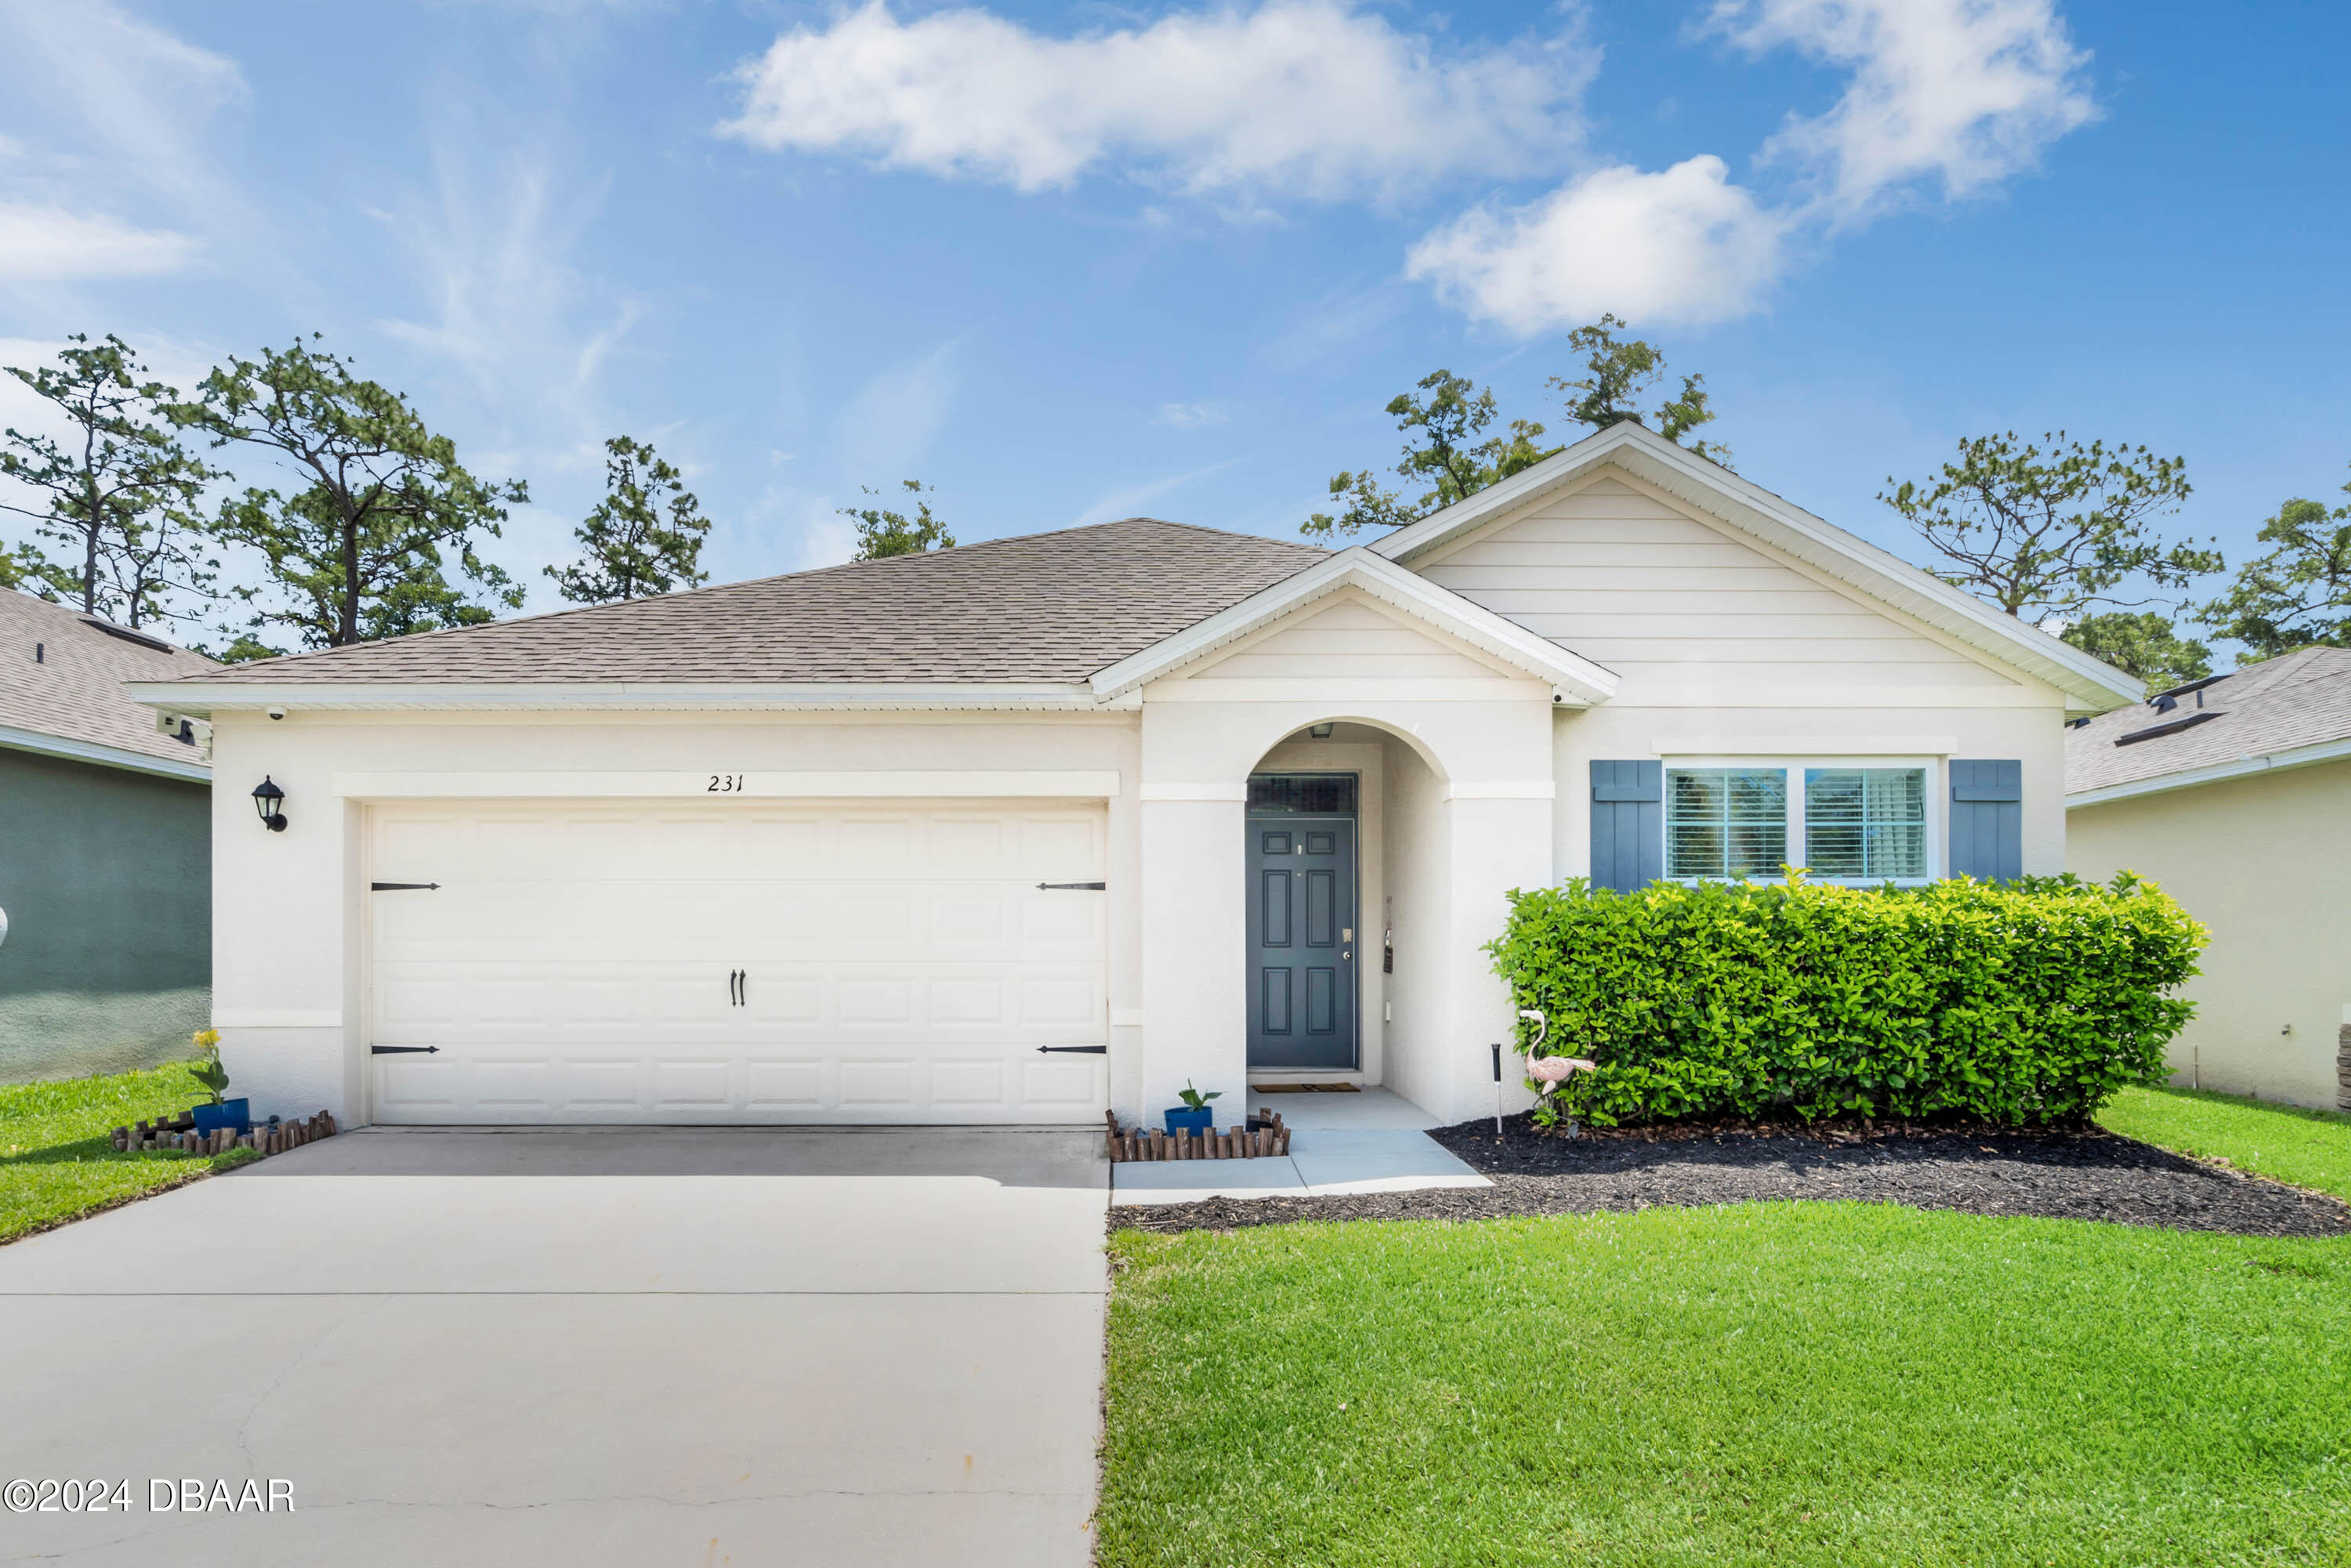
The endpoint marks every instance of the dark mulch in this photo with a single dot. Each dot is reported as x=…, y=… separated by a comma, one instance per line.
x=2082, y=1173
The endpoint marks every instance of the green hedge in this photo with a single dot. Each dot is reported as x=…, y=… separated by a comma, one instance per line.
x=2018, y=1002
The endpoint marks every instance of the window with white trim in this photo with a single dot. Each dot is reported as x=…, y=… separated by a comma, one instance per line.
x=1842, y=822
x=1726, y=821
x=1866, y=825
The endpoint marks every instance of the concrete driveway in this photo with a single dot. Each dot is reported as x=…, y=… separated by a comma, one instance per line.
x=639, y=1347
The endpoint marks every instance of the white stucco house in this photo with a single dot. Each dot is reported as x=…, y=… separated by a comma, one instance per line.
x=1029, y=828
x=2235, y=794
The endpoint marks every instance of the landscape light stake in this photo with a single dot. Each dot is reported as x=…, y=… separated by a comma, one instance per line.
x=1498, y=1092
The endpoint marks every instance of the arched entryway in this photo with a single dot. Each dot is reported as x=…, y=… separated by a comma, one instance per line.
x=1344, y=837
x=1453, y=808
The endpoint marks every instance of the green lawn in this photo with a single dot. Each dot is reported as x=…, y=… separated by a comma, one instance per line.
x=56, y=1162
x=1824, y=1383
x=2307, y=1149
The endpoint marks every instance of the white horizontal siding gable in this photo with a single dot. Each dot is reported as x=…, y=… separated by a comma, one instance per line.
x=1678, y=606
x=1353, y=638
x=2028, y=663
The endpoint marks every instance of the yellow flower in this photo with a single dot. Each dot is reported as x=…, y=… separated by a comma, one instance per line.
x=207, y=1037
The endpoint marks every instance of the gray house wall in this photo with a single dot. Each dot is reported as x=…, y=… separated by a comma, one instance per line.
x=106, y=876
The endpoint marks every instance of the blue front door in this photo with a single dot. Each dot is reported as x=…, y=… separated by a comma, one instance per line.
x=1301, y=940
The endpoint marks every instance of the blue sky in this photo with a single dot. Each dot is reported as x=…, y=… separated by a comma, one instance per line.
x=1069, y=262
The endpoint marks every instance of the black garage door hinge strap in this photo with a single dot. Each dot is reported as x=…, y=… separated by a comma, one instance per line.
x=402, y=1050
x=1075, y=1050
x=1072, y=887
x=401, y=886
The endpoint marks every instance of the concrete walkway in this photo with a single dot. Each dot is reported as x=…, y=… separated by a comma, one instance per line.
x=1371, y=1141
x=625, y=1346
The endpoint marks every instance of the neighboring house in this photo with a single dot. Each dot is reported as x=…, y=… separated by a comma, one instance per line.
x=2235, y=794
x=105, y=849
x=1024, y=830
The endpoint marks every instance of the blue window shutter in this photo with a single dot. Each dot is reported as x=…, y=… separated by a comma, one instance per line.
x=1628, y=824
x=1987, y=820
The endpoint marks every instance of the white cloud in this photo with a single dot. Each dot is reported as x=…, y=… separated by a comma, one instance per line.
x=49, y=245
x=1304, y=97
x=1964, y=92
x=826, y=541
x=1190, y=416
x=887, y=428
x=92, y=74
x=1685, y=245
x=1130, y=501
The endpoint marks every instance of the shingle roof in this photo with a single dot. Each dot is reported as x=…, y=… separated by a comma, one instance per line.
x=73, y=691
x=1046, y=607
x=2300, y=699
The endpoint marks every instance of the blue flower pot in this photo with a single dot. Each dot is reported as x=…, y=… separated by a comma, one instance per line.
x=227, y=1114
x=1182, y=1122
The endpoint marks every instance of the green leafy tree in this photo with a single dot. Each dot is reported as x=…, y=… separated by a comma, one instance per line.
x=1447, y=447
x=119, y=492
x=1455, y=445
x=2144, y=644
x=19, y=566
x=882, y=533
x=2297, y=594
x=645, y=537
x=359, y=551
x=2049, y=535
x=1618, y=374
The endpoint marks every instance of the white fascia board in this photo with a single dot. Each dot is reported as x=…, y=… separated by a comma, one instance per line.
x=204, y=698
x=1580, y=681
x=103, y=755
x=2094, y=686
x=2214, y=773
x=1704, y=744
x=868, y=784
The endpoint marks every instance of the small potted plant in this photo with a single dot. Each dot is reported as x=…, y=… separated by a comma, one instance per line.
x=208, y=1072
x=1194, y=1116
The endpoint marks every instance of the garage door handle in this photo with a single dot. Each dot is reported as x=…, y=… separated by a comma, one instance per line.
x=737, y=984
x=1075, y=1050
x=402, y=1049
x=1072, y=886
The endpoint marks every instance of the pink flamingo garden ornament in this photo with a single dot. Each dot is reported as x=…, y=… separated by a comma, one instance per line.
x=1551, y=1071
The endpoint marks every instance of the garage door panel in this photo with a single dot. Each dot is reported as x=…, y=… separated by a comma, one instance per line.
x=706, y=1085
x=785, y=1083
x=877, y=1083
x=976, y=1082
x=1065, y=1085
x=899, y=963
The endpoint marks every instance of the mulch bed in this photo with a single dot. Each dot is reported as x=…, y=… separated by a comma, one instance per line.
x=2082, y=1173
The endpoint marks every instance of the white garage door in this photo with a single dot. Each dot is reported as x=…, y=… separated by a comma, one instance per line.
x=740, y=962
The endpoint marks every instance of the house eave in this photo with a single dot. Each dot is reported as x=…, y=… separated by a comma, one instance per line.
x=207, y=698
x=2214, y=773
x=2090, y=686
x=16, y=739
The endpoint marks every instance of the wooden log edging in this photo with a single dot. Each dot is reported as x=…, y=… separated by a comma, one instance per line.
x=180, y=1135
x=1269, y=1139
x=2343, y=1062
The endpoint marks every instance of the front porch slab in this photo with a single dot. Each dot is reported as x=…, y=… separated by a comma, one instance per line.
x=1373, y=1140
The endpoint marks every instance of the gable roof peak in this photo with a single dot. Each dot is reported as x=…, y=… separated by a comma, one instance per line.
x=1745, y=507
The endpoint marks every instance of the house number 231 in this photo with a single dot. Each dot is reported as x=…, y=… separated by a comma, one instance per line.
x=725, y=784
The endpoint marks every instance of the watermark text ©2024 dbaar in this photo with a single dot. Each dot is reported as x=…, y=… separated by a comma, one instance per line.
x=185, y=1496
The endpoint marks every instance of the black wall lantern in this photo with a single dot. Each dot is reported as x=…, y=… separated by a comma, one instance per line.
x=270, y=802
